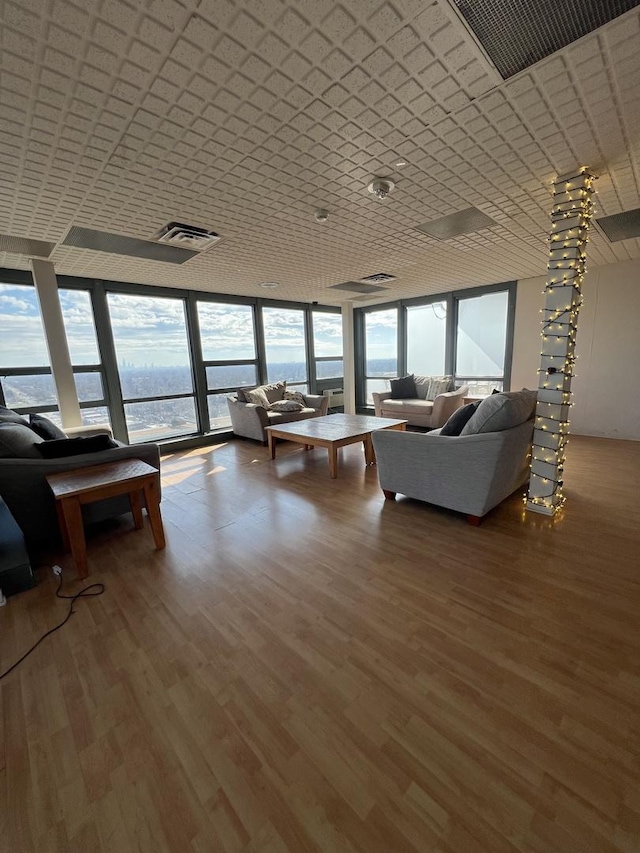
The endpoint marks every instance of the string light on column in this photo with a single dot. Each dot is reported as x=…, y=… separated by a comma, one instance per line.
x=570, y=219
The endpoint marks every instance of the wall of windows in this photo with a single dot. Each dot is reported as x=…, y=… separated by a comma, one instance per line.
x=158, y=363
x=466, y=333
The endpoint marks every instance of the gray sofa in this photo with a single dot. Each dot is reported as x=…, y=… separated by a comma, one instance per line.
x=250, y=419
x=420, y=411
x=24, y=488
x=471, y=472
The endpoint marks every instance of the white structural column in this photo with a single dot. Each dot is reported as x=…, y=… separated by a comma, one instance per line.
x=349, y=359
x=46, y=284
x=572, y=208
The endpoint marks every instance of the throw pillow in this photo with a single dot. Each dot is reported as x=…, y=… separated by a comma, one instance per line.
x=8, y=416
x=258, y=397
x=438, y=385
x=502, y=411
x=275, y=391
x=45, y=428
x=297, y=396
x=241, y=396
x=286, y=406
x=459, y=418
x=422, y=385
x=403, y=388
x=58, y=447
x=18, y=441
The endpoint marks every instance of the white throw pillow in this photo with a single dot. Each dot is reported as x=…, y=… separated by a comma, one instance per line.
x=297, y=396
x=258, y=397
x=438, y=385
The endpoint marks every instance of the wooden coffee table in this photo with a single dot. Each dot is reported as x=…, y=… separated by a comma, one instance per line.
x=332, y=432
x=71, y=489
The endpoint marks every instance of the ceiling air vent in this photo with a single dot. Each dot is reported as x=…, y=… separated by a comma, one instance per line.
x=379, y=277
x=187, y=236
x=518, y=33
x=120, y=244
x=621, y=226
x=357, y=287
x=26, y=246
x=462, y=222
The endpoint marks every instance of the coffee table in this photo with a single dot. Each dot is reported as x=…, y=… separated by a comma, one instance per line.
x=71, y=489
x=332, y=432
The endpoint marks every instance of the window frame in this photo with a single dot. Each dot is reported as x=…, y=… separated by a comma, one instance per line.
x=452, y=299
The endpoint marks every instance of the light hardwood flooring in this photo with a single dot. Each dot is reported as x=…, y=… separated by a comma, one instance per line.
x=307, y=667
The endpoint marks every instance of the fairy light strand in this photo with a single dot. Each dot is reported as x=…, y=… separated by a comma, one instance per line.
x=571, y=213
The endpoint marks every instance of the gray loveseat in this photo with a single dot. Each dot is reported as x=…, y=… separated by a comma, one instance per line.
x=25, y=490
x=471, y=472
x=249, y=419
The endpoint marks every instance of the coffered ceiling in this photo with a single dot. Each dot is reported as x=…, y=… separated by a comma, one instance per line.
x=246, y=117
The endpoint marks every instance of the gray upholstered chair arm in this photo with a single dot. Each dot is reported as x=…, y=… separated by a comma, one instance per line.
x=248, y=419
x=445, y=405
x=318, y=402
x=378, y=397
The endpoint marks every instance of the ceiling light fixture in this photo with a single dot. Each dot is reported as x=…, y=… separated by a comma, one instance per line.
x=321, y=215
x=381, y=187
x=269, y=285
x=399, y=163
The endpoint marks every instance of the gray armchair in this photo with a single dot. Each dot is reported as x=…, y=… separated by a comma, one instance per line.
x=24, y=488
x=468, y=473
x=249, y=420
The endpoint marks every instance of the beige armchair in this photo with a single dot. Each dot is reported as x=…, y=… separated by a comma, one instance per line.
x=417, y=412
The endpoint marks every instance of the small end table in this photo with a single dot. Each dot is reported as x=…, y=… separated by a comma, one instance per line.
x=72, y=489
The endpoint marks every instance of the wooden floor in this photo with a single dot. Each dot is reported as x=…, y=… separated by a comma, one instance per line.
x=310, y=668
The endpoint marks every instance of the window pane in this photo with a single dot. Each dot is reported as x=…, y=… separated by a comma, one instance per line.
x=375, y=385
x=482, y=333
x=26, y=391
x=285, y=344
x=226, y=331
x=77, y=313
x=426, y=333
x=22, y=341
x=219, y=417
x=329, y=369
x=159, y=419
x=95, y=416
x=381, y=342
x=231, y=376
x=327, y=334
x=88, y=386
x=151, y=345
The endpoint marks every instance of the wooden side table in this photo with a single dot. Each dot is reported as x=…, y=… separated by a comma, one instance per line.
x=72, y=489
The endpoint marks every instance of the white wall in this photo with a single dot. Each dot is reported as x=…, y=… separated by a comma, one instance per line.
x=606, y=387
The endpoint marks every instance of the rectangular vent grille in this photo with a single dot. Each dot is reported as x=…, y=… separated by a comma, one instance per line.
x=26, y=246
x=621, y=226
x=518, y=33
x=462, y=222
x=132, y=247
x=379, y=277
x=357, y=287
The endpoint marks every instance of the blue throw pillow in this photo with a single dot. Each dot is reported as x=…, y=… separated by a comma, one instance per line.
x=459, y=418
x=57, y=448
x=45, y=428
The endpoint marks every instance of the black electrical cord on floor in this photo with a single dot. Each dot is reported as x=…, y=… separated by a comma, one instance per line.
x=98, y=589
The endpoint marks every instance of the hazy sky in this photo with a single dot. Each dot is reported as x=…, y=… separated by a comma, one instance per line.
x=151, y=330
